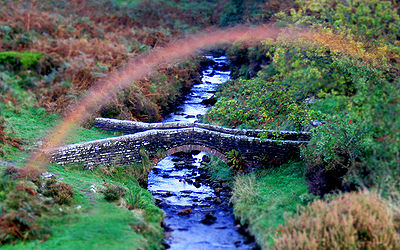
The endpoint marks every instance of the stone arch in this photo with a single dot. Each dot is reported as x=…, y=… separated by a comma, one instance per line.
x=189, y=148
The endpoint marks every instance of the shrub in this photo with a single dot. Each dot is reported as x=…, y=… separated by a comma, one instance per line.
x=19, y=211
x=358, y=220
x=336, y=148
x=246, y=61
x=18, y=224
x=18, y=60
x=372, y=19
x=11, y=171
x=30, y=174
x=236, y=162
x=113, y=192
x=260, y=103
x=22, y=196
x=4, y=137
x=61, y=192
x=130, y=173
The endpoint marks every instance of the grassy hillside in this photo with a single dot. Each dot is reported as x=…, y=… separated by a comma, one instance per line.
x=88, y=220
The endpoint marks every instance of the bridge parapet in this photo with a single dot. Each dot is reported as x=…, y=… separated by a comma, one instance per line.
x=132, y=127
x=158, y=143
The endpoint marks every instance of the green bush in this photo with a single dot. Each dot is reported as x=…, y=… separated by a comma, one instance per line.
x=355, y=91
x=236, y=162
x=19, y=60
x=247, y=61
x=375, y=20
x=261, y=102
x=335, y=148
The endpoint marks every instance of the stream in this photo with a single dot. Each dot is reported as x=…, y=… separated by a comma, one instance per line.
x=197, y=214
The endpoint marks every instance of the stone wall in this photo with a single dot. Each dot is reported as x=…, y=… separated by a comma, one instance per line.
x=161, y=142
x=132, y=127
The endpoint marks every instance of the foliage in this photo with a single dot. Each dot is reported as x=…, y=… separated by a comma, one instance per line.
x=236, y=162
x=251, y=11
x=219, y=170
x=140, y=226
x=345, y=78
x=28, y=60
x=11, y=172
x=17, y=224
x=6, y=139
x=144, y=213
x=259, y=103
x=84, y=41
x=360, y=220
x=27, y=122
x=60, y=191
x=160, y=95
x=19, y=212
x=30, y=173
x=352, y=139
x=375, y=20
x=246, y=61
x=339, y=148
x=113, y=192
x=133, y=200
x=138, y=172
x=104, y=226
x=233, y=14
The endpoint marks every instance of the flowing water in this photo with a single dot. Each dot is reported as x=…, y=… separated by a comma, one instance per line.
x=197, y=215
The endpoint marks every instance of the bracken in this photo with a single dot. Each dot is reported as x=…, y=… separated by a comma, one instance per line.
x=358, y=220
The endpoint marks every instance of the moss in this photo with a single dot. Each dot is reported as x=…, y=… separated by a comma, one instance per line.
x=27, y=60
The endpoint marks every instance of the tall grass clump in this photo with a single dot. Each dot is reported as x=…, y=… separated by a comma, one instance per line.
x=357, y=220
x=261, y=199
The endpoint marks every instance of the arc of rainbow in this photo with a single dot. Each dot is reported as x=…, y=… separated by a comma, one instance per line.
x=141, y=66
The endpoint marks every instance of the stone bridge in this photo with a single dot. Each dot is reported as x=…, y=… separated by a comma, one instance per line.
x=158, y=140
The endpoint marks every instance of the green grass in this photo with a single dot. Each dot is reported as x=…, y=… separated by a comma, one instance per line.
x=127, y=3
x=219, y=170
x=102, y=227
x=31, y=124
x=26, y=59
x=263, y=198
x=98, y=224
